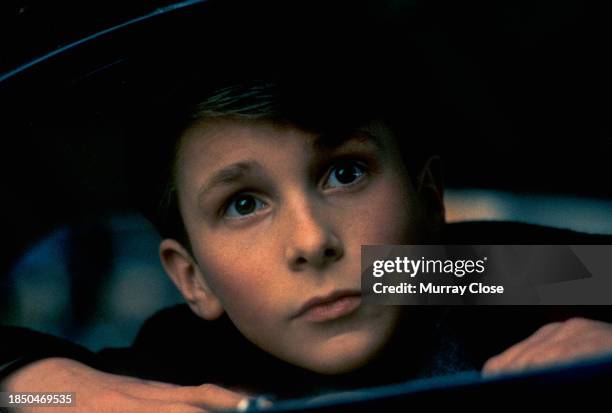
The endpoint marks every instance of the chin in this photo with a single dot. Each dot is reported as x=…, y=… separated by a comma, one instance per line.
x=343, y=354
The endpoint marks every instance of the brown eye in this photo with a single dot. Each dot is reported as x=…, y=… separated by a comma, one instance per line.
x=244, y=205
x=344, y=174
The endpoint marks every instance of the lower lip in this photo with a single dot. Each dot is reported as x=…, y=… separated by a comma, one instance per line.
x=335, y=309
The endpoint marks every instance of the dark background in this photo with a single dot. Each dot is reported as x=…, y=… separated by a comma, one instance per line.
x=531, y=78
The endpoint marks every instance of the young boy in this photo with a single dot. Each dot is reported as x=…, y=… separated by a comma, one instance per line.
x=263, y=217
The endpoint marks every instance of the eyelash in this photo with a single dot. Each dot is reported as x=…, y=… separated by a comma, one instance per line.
x=223, y=212
x=365, y=172
x=354, y=163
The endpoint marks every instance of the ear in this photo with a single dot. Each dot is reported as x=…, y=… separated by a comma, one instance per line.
x=185, y=273
x=430, y=187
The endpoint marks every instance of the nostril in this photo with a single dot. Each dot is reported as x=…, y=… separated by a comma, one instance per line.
x=300, y=261
x=329, y=253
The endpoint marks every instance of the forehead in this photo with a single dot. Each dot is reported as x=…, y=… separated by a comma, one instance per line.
x=207, y=147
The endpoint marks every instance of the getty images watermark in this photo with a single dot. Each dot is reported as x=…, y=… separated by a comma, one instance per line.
x=487, y=274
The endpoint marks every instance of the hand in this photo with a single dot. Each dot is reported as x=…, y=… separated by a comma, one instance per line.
x=98, y=392
x=554, y=343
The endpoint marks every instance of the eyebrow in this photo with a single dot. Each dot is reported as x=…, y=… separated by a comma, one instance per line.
x=228, y=175
x=238, y=171
x=334, y=140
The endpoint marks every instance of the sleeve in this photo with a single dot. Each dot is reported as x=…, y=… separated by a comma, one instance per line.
x=21, y=346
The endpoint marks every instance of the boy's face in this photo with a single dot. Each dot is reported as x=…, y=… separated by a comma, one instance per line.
x=276, y=222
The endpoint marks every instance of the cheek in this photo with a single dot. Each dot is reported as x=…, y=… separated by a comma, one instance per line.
x=389, y=216
x=238, y=277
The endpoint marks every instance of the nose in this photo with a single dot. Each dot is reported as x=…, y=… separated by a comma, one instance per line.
x=312, y=241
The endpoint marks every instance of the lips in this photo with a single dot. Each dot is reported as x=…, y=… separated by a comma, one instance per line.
x=330, y=307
